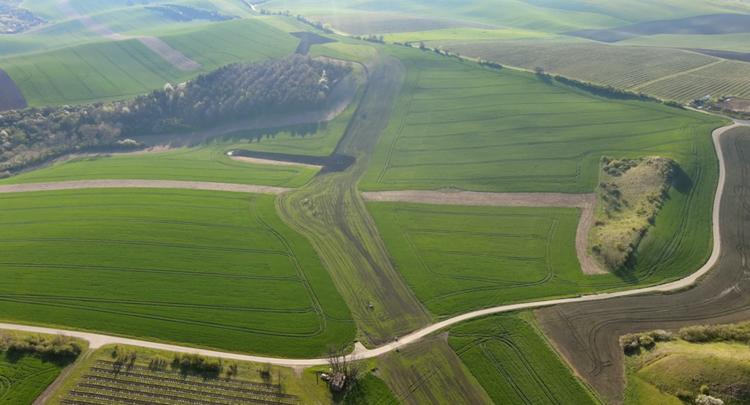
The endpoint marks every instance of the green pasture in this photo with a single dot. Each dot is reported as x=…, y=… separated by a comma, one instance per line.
x=459, y=258
x=203, y=163
x=465, y=34
x=457, y=125
x=100, y=71
x=23, y=378
x=514, y=363
x=207, y=269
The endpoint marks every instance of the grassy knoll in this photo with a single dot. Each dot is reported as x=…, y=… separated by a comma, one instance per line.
x=514, y=363
x=429, y=372
x=96, y=381
x=23, y=378
x=674, y=372
x=629, y=196
x=206, y=163
x=119, y=261
x=107, y=70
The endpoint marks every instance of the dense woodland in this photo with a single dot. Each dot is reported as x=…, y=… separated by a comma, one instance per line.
x=233, y=92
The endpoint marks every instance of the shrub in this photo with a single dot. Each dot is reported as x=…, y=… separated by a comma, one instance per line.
x=57, y=347
x=197, y=364
x=716, y=333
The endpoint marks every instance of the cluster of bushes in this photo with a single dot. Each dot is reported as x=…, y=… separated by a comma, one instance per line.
x=372, y=38
x=53, y=347
x=237, y=91
x=739, y=332
x=197, y=365
x=634, y=342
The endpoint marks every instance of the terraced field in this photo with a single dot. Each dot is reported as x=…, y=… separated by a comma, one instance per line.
x=514, y=363
x=22, y=379
x=207, y=163
x=204, y=268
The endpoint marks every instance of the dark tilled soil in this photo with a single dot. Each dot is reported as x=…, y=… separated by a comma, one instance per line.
x=11, y=97
x=308, y=39
x=587, y=334
x=740, y=56
x=703, y=24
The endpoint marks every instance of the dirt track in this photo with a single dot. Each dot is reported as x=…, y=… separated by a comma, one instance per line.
x=585, y=202
x=587, y=333
x=187, y=185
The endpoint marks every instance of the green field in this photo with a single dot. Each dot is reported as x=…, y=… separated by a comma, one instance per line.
x=514, y=363
x=460, y=126
x=100, y=71
x=23, y=378
x=429, y=372
x=201, y=268
x=206, y=163
x=458, y=258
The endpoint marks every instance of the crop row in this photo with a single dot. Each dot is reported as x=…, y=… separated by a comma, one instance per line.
x=174, y=378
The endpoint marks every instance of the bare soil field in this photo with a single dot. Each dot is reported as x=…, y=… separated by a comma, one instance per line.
x=585, y=202
x=703, y=24
x=736, y=104
x=587, y=334
x=11, y=97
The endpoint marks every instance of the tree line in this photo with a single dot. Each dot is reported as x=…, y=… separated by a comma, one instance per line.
x=233, y=92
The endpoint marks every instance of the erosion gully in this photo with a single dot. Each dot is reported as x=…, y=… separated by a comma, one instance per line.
x=330, y=212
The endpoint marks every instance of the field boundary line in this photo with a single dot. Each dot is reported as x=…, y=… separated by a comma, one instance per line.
x=585, y=202
x=360, y=353
x=168, y=184
x=676, y=74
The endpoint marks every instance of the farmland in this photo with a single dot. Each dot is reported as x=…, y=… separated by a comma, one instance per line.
x=23, y=378
x=102, y=71
x=514, y=363
x=206, y=163
x=255, y=286
x=108, y=377
x=587, y=333
x=430, y=372
x=461, y=126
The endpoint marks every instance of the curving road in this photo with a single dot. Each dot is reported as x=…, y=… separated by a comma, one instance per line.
x=97, y=340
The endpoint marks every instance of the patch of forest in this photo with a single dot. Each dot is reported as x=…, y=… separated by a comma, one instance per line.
x=233, y=92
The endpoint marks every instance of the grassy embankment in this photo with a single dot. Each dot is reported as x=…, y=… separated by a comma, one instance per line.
x=695, y=363
x=514, y=363
x=459, y=126
x=121, y=261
